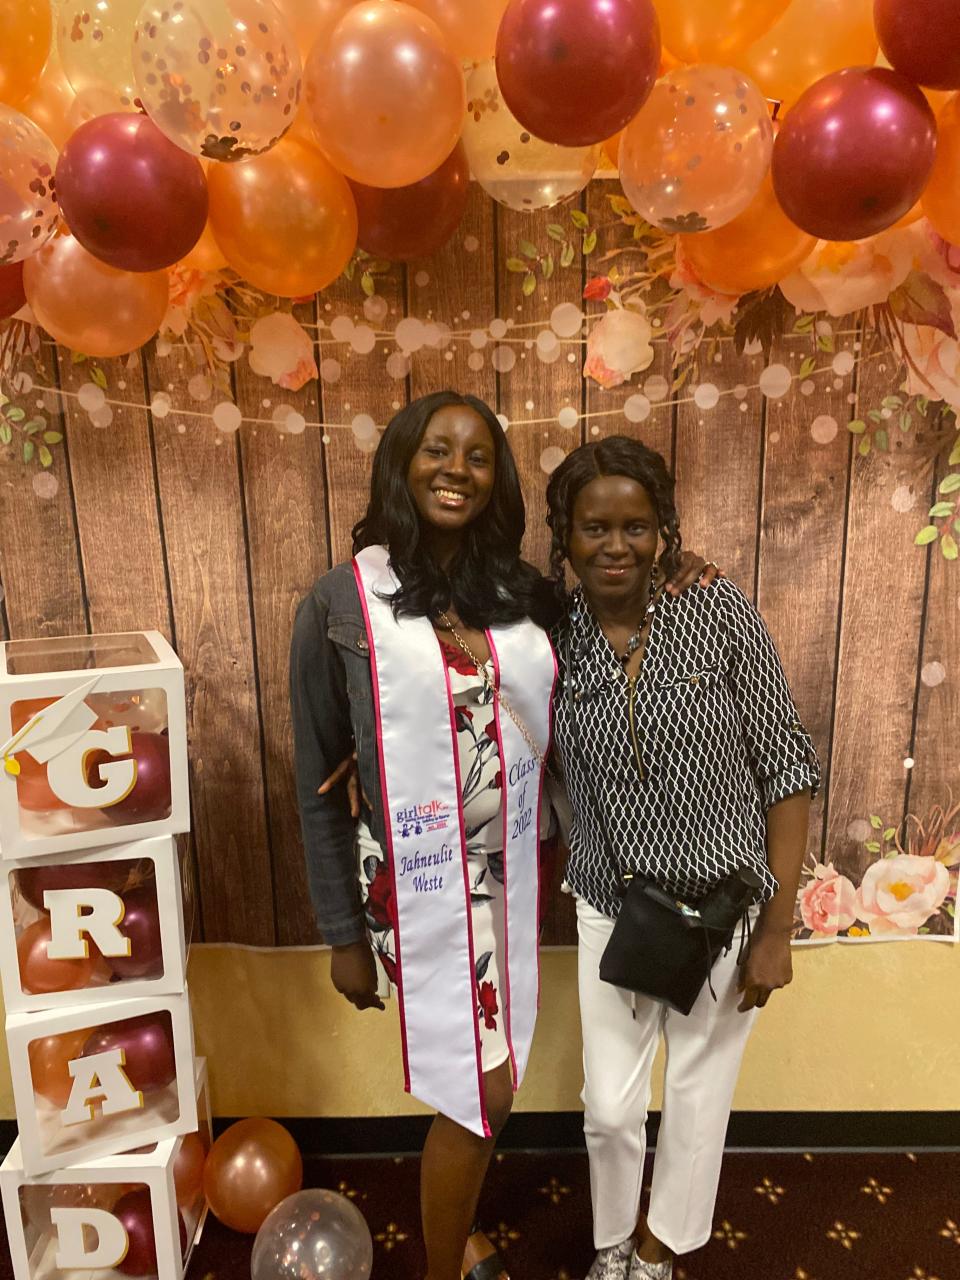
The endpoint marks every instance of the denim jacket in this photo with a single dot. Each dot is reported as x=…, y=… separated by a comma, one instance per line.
x=331, y=695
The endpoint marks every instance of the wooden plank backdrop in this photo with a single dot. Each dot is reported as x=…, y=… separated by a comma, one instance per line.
x=160, y=520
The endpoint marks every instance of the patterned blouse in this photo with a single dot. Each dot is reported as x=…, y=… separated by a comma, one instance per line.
x=687, y=758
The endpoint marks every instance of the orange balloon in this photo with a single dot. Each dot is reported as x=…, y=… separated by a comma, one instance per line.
x=285, y=220
x=188, y=1168
x=49, y=1056
x=25, y=31
x=33, y=791
x=941, y=199
x=49, y=102
x=386, y=94
x=469, y=26
x=813, y=38
x=87, y=306
x=312, y=20
x=911, y=216
x=758, y=248
x=611, y=149
x=707, y=31
x=39, y=975
x=206, y=254
x=251, y=1167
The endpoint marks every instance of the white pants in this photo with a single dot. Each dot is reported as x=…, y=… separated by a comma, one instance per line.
x=621, y=1032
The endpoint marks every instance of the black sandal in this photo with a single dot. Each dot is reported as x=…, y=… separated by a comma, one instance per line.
x=492, y=1267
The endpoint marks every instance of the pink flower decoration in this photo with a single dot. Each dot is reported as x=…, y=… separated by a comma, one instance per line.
x=935, y=368
x=187, y=287
x=829, y=902
x=900, y=894
x=618, y=347
x=840, y=277
x=713, y=307
x=282, y=350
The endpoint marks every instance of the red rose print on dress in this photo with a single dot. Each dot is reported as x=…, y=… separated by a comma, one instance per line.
x=380, y=907
x=457, y=660
x=487, y=999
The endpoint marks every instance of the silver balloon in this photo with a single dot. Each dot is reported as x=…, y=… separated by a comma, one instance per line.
x=313, y=1235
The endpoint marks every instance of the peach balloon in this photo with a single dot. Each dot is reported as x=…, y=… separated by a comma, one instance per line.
x=39, y=975
x=285, y=221
x=26, y=27
x=50, y=101
x=386, y=94
x=611, y=149
x=188, y=1168
x=312, y=20
x=90, y=307
x=469, y=26
x=813, y=38
x=206, y=254
x=941, y=198
x=251, y=1167
x=758, y=248
x=49, y=1056
x=707, y=31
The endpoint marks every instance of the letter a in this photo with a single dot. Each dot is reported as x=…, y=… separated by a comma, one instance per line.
x=99, y=1078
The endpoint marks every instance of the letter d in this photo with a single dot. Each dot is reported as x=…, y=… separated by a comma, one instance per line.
x=71, y=1224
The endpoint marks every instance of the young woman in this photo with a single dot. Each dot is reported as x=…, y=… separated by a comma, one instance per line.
x=423, y=656
x=683, y=752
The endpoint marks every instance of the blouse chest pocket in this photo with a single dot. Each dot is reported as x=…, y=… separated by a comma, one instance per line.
x=350, y=638
x=695, y=678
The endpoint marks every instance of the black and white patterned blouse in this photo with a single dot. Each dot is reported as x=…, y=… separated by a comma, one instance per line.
x=718, y=738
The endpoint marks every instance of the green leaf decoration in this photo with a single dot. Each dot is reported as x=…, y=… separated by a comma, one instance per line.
x=77, y=357
x=881, y=440
x=929, y=533
x=941, y=509
x=556, y=232
x=367, y=285
x=529, y=250
x=948, y=545
x=863, y=448
x=826, y=343
x=529, y=284
x=906, y=421
x=516, y=265
x=28, y=450
x=920, y=300
x=45, y=456
x=620, y=205
x=857, y=426
x=547, y=266
x=876, y=821
x=6, y=433
x=807, y=367
x=891, y=402
x=32, y=427
x=873, y=846
x=98, y=376
x=567, y=254
x=950, y=483
x=889, y=833
x=804, y=323
x=589, y=242
x=954, y=458
x=15, y=414
x=579, y=219
x=875, y=415
x=52, y=437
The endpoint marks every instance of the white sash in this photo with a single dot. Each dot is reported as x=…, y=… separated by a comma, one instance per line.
x=419, y=774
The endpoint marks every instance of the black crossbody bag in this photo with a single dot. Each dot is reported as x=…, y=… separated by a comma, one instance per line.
x=662, y=947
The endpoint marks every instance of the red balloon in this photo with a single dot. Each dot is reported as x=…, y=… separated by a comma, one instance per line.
x=404, y=223
x=135, y=1212
x=575, y=73
x=854, y=153
x=147, y=1044
x=12, y=296
x=149, y=798
x=130, y=196
x=33, y=882
x=141, y=924
x=921, y=39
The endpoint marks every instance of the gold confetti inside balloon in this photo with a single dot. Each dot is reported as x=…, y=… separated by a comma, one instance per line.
x=221, y=78
x=28, y=206
x=695, y=154
x=515, y=168
x=95, y=39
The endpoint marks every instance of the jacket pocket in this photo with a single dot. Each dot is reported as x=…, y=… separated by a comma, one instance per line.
x=350, y=638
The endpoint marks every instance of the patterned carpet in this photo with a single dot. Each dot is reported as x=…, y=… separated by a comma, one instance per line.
x=873, y=1216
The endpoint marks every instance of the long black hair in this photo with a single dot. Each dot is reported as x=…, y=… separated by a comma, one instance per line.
x=487, y=583
x=615, y=456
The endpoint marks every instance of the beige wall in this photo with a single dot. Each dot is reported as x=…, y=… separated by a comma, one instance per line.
x=867, y=1027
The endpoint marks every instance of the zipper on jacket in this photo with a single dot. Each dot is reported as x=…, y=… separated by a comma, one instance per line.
x=632, y=681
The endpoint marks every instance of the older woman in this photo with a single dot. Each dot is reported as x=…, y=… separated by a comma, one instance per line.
x=684, y=756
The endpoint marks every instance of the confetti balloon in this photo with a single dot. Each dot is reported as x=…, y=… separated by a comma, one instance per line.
x=90, y=307
x=313, y=1233
x=221, y=78
x=813, y=38
x=577, y=72
x=706, y=31
x=515, y=168
x=28, y=206
x=386, y=95
x=854, y=154
x=941, y=198
x=921, y=39
x=285, y=221
x=405, y=223
x=25, y=31
x=695, y=156
x=95, y=41
x=468, y=26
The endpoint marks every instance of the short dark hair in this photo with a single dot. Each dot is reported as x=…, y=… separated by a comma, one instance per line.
x=614, y=456
x=488, y=583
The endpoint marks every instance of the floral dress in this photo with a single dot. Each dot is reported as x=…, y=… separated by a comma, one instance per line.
x=481, y=780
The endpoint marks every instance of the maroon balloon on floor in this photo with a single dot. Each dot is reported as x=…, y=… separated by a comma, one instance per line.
x=130, y=196
x=141, y=924
x=12, y=296
x=921, y=38
x=149, y=800
x=147, y=1044
x=406, y=223
x=135, y=1212
x=33, y=882
x=576, y=73
x=854, y=153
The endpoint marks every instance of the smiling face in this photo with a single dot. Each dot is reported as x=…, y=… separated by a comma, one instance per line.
x=451, y=475
x=613, y=539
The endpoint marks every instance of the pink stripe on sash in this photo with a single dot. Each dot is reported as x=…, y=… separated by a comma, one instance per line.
x=387, y=824
x=508, y=1004
x=543, y=775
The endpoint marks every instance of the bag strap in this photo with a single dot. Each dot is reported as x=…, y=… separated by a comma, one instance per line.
x=585, y=769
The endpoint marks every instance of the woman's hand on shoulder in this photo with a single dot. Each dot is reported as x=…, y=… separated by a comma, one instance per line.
x=693, y=569
x=768, y=967
x=353, y=971
x=347, y=772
